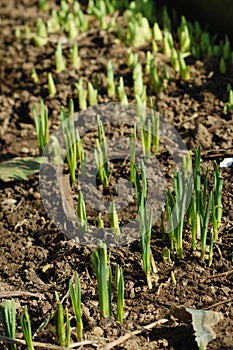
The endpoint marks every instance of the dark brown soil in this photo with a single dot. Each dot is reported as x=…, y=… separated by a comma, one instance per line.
x=35, y=256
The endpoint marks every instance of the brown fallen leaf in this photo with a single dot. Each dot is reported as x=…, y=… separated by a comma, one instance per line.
x=202, y=322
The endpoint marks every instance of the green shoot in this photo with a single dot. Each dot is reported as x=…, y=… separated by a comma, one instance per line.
x=133, y=153
x=122, y=97
x=113, y=219
x=59, y=58
x=101, y=154
x=42, y=128
x=51, y=86
x=62, y=328
x=82, y=95
x=82, y=213
x=8, y=318
x=146, y=137
x=100, y=261
x=75, y=295
x=145, y=227
x=26, y=328
x=74, y=147
x=92, y=95
x=155, y=122
x=119, y=285
x=74, y=57
x=110, y=80
x=155, y=77
x=184, y=69
x=34, y=76
x=100, y=221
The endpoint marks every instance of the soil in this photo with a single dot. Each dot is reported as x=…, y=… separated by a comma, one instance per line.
x=37, y=259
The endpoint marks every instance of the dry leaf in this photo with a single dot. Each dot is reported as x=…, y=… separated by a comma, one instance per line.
x=202, y=322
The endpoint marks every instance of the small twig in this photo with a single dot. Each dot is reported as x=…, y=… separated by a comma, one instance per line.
x=127, y=336
x=220, y=303
x=226, y=273
x=46, y=345
x=20, y=293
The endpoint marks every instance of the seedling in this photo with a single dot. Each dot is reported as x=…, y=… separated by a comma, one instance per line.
x=113, y=219
x=26, y=328
x=145, y=227
x=73, y=142
x=34, y=76
x=92, y=95
x=101, y=154
x=74, y=57
x=133, y=153
x=51, y=86
x=176, y=204
x=42, y=128
x=82, y=213
x=100, y=261
x=110, y=80
x=82, y=95
x=75, y=295
x=8, y=319
x=122, y=97
x=59, y=59
x=62, y=328
x=119, y=286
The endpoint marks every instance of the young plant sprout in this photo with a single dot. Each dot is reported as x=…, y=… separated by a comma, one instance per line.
x=92, y=94
x=155, y=122
x=82, y=213
x=157, y=33
x=110, y=79
x=138, y=79
x=62, y=328
x=42, y=127
x=149, y=59
x=113, y=219
x=51, y=86
x=184, y=69
x=184, y=36
x=141, y=190
x=145, y=227
x=40, y=38
x=59, y=58
x=74, y=57
x=53, y=23
x=222, y=66
x=175, y=209
x=155, y=77
x=26, y=328
x=82, y=19
x=174, y=60
x=75, y=295
x=228, y=106
x=146, y=137
x=71, y=27
x=8, y=319
x=73, y=142
x=122, y=97
x=34, y=76
x=100, y=261
x=100, y=221
x=133, y=153
x=101, y=154
x=217, y=201
x=82, y=95
x=119, y=286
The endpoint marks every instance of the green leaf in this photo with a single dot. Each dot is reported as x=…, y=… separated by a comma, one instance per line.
x=19, y=168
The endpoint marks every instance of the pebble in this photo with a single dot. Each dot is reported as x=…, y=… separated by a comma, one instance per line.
x=97, y=331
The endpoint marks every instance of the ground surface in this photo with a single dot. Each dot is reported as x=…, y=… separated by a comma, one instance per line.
x=30, y=241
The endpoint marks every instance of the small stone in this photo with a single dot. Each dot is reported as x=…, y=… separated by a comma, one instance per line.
x=97, y=331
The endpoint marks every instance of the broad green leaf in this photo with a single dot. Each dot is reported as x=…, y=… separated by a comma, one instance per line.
x=19, y=168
